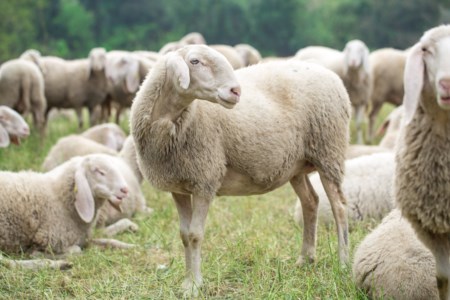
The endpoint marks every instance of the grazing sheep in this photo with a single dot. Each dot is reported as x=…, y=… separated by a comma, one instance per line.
x=12, y=127
x=76, y=145
x=110, y=135
x=54, y=212
x=386, y=69
x=423, y=164
x=352, y=65
x=249, y=55
x=391, y=263
x=22, y=88
x=76, y=83
x=367, y=187
x=197, y=149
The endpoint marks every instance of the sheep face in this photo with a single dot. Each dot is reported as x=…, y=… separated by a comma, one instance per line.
x=122, y=69
x=12, y=127
x=356, y=55
x=97, y=178
x=203, y=73
x=97, y=59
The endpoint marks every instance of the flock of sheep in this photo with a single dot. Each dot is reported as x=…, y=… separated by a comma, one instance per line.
x=216, y=120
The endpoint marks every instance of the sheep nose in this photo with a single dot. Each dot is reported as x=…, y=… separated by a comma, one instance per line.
x=124, y=190
x=236, y=91
x=26, y=131
x=445, y=84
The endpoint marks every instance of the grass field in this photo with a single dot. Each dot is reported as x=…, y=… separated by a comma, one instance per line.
x=250, y=248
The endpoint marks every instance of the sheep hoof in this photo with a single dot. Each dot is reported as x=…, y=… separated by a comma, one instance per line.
x=303, y=261
x=190, y=288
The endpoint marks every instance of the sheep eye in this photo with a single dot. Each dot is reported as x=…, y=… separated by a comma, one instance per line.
x=424, y=49
x=194, y=61
x=100, y=172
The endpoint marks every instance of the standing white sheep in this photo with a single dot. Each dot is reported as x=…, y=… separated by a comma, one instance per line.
x=391, y=263
x=352, y=65
x=55, y=211
x=386, y=69
x=279, y=131
x=12, y=127
x=367, y=187
x=423, y=162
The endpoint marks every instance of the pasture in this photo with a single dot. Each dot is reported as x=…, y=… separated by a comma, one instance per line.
x=250, y=248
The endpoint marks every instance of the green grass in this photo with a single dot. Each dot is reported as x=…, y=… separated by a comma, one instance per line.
x=250, y=248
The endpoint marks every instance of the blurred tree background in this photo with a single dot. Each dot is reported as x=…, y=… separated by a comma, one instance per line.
x=70, y=28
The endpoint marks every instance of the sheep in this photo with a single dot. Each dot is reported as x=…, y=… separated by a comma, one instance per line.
x=125, y=71
x=423, y=163
x=231, y=54
x=109, y=134
x=54, y=212
x=189, y=39
x=352, y=65
x=386, y=69
x=12, y=127
x=77, y=145
x=275, y=134
x=391, y=263
x=367, y=186
x=34, y=56
x=76, y=83
x=22, y=88
x=249, y=55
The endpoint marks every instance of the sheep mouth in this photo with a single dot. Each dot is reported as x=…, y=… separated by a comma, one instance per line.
x=116, y=203
x=228, y=103
x=444, y=101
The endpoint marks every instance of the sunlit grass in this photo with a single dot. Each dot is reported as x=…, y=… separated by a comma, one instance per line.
x=249, y=251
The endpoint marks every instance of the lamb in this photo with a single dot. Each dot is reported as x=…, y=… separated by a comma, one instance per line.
x=54, y=212
x=231, y=54
x=109, y=134
x=352, y=65
x=386, y=69
x=391, y=263
x=249, y=55
x=391, y=126
x=423, y=163
x=22, y=88
x=197, y=149
x=191, y=38
x=76, y=83
x=12, y=127
x=367, y=186
x=77, y=145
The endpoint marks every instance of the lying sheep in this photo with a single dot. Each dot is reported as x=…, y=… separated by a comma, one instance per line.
x=276, y=134
x=76, y=145
x=12, y=127
x=22, y=88
x=367, y=186
x=109, y=134
x=391, y=263
x=249, y=55
x=423, y=163
x=391, y=129
x=54, y=212
x=191, y=38
x=386, y=69
x=231, y=54
x=352, y=65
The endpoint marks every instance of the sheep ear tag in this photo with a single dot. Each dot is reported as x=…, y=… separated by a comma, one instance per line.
x=180, y=70
x=4, y=137
x=84, y=202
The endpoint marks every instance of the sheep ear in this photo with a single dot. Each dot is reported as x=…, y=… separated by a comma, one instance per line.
x=132, y=79
x=84, y=202
x=4, y=137
x=413, y=81
x=179, y=67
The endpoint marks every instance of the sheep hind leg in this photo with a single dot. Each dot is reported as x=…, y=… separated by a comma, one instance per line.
x=310, y=202
x=439, y=245
x=339, y=208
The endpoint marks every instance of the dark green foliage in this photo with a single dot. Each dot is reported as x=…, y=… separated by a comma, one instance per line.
x=70, y=28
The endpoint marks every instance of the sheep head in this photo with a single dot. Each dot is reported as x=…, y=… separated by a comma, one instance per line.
x=97, y=59
x=428, y=61
x=97, y=178
x=122, y=70
x=12, y=127
x=356, y=55
x=200, y=72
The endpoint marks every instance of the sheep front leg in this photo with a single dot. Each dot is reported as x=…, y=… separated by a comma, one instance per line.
x=310, y=202
x=439, y=245
x=339, y=208
x=359, y=118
